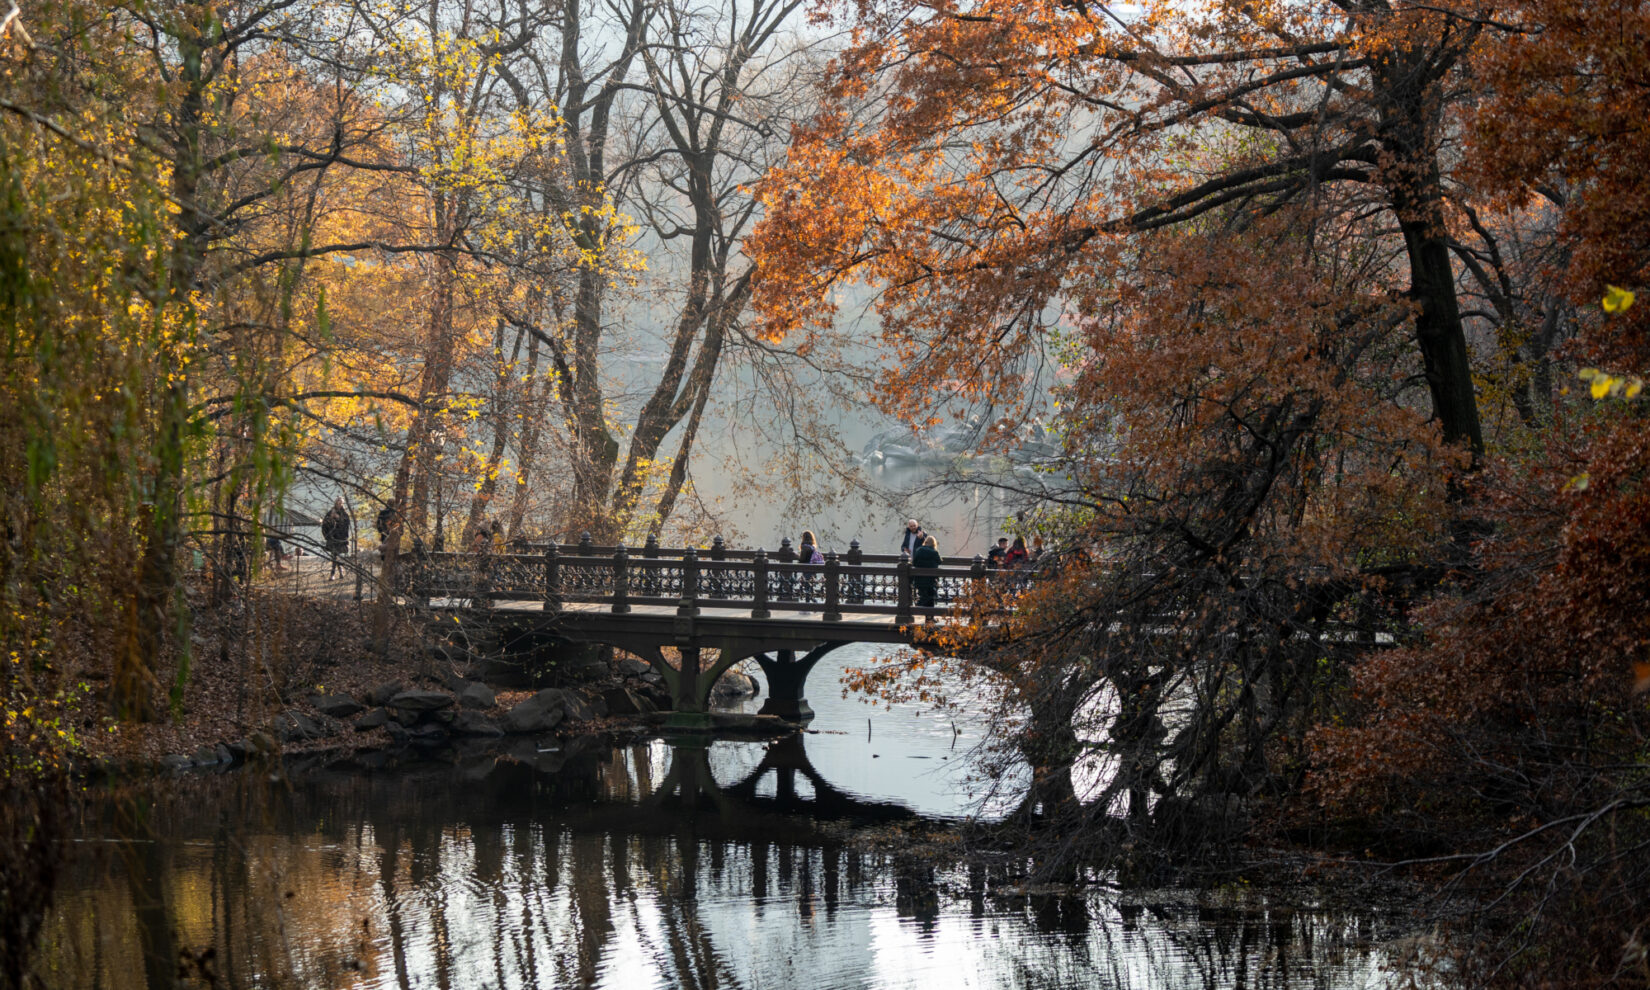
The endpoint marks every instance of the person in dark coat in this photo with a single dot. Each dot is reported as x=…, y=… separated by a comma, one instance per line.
x=385, y=515
x=808, y=553
x=911, y=537
x=927, y=555
x=335, y=526
x=995, y=556
x=272, y=542
x=389, y=518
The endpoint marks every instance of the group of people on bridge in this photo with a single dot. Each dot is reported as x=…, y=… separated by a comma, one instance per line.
x=924, y=551
x=1010, y=557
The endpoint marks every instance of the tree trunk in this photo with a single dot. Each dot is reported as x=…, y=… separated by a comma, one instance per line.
x=533, y=412
x=432, y=394
x=502, y=408
x=1438, y=331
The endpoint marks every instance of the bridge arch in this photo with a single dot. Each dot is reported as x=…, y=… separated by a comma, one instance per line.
x=785, y=668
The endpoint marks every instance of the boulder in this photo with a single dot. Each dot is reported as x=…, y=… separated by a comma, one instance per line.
x=540, y=713
x=337, y=705
x=632, y=667
x=476, y=695
x=428, y=734
x=660, y=693
x=382, y=694
x=474, y=724
x=294, y=724
x=421, y=701
x=622, y=702
x=372, y=720
x=577, y=706
x=255, y=744
x=733, y=684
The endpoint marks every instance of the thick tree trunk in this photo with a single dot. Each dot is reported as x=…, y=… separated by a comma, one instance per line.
x=1412, y=90
x=502, y=409
x=1438, y=330
x=534, y=409
x=151, y=612
x=595, y=450
x=432, y=395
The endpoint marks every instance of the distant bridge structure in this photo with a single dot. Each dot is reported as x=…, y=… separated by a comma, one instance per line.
x=746, y=604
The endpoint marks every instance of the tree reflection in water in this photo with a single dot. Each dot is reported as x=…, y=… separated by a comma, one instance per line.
x=599, y=866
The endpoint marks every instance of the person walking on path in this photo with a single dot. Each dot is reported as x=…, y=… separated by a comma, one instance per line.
x=272, y=541
x=926, y=586
x=335, y=526
x=911, y=537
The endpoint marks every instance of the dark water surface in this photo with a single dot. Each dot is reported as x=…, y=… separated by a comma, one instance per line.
x=647, y=865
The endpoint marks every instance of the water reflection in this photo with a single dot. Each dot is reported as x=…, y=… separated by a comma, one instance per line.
x=636, y=866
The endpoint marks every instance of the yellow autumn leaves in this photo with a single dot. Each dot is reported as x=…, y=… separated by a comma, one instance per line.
x=1616, y=299
x=1602, y=384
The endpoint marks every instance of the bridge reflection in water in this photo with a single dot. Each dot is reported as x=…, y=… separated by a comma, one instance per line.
x=635, y=866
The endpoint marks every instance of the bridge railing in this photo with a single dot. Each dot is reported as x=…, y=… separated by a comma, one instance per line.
x=690, y=580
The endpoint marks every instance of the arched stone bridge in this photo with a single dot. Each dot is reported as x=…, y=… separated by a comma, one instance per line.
x=744, y=604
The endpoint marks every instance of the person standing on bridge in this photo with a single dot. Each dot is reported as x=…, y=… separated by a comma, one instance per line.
x=335, y=527
x=808, y=553
x=911, y=538
x=927, y=555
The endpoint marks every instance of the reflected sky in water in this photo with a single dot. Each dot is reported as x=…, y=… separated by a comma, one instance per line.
x=738, y=865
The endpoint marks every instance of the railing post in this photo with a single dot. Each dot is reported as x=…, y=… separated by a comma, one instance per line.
x=552, y=578
x=856, y=581
x=689, y=605
x=977, y=585
x=421, y=577
x=484, y=581
x=759, y=568
x=650, y=575
x=621, y=580
x=718, y=551
x=787, y=580
x=586, y=547
x=903, y=616
x=833, y=591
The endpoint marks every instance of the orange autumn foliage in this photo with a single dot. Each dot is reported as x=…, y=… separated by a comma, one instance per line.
x=979, y=163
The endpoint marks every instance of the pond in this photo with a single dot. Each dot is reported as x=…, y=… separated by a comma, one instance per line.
x=589, y=864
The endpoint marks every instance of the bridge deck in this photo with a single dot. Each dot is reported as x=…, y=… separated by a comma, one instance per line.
x=710, y=624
